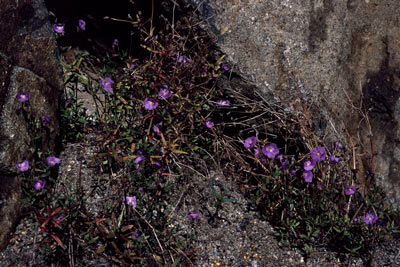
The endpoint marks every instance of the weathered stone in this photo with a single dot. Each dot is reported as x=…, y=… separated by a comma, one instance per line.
x=28, y=63
x=341, y=57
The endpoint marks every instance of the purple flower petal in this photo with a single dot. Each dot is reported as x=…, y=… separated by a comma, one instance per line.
x=338, y=145
x=115, y=43
x=350, y=191
x=209, y=124
x=107, y=84
x=307, y=176
x=138, y=160
x=184, y=60
x=250, y=142
x=370, y=218
x=46, y=120
x=164, y=93
x=225, y=67
x=59, y=28
x=156, y=130
x=285, y=165
x=52, y=161
x=135, y=235
x=22, y=97
x=333, y=160
x=82, y=24
x=270, y=151
x=131, y=201
x=309, y=164
x=39, y=184
x=157, y=164
x=318, y=154
x=23, y=165
x=150, y=103
x=194, y=216
x=223, y=103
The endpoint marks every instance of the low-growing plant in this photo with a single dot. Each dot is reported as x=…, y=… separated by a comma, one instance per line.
x=312, y=194
x=161, y=107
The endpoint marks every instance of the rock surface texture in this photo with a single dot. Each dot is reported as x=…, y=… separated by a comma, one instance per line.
x=342, y=58
x=29, y=64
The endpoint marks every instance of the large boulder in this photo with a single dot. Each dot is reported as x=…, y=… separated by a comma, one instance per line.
x=340, y=57
x=29, y=63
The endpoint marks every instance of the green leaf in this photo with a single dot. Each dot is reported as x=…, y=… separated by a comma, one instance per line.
x=316, y=233
x=93, y=240
x=206, y=107
x=175, y=263
x=228, y=200
x=336, y=229
x=309, y=249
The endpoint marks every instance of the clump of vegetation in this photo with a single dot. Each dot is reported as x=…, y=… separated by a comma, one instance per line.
x=162, y=106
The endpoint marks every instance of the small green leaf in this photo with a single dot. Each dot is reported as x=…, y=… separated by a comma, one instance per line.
x=93, y=240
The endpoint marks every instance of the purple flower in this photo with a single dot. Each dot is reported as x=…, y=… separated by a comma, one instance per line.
x=309, y=164
x=131, y=201
x=293, y=172
x=183, y=59
x=194, y=216
x=150, y=103
x=82, y=24
x=69, y=100
x=350, y=191
x=250, y=142
x=370, y=218
x=225, y=67
x=223, y=103
x=46, y=120
x=58, y=220
x=338, y=145
x=285, y=164
x=257, y=153
x=39, y=184
x=157, y=164
x=23, y=165
x=164, y=93
x=59, y=28
x=318, y=154
x=270, y=151
x=135, y=235
x=355, y=220
x=52, y=161
x=156, y=130
x=115, y=43
x=107, y=84
x=209, y=124
x=333, y=159
x=22, y=97
x=138, y=160
x=307, y=176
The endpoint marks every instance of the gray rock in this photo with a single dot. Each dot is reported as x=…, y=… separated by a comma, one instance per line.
x=28, y=63
x=342, y=58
